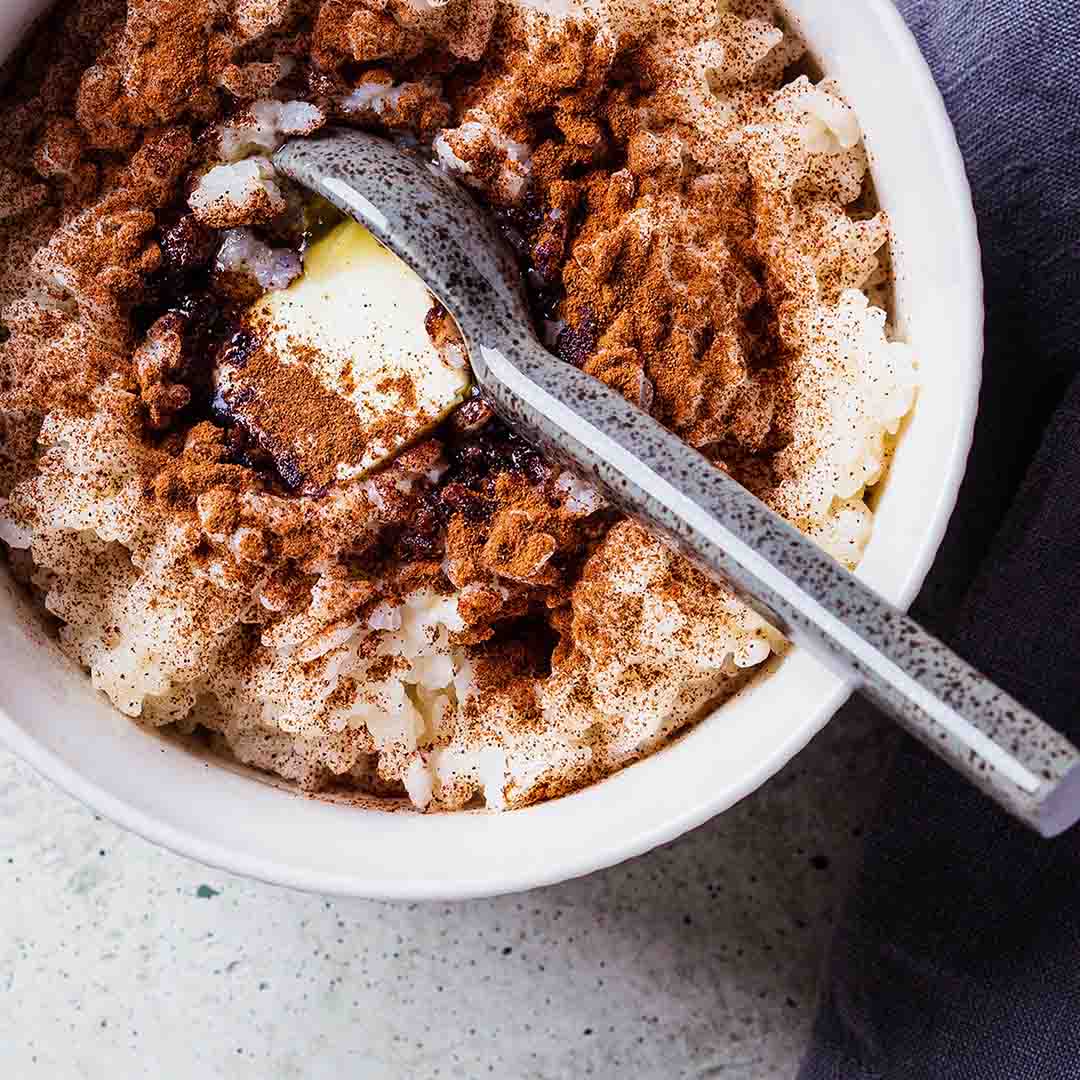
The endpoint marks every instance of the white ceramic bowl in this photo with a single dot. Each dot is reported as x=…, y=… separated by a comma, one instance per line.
x=50, y=715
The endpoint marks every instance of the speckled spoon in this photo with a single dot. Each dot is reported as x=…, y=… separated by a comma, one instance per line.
x=430, y=222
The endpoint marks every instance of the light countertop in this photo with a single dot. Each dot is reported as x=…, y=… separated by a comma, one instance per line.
x=119, y=959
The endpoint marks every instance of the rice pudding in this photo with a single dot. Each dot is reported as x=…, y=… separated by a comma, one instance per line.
x=308, y=537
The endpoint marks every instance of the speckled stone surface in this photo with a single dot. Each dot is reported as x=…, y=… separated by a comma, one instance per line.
x=118, y=959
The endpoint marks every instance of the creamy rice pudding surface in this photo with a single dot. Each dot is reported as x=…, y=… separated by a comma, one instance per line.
x=193, y=506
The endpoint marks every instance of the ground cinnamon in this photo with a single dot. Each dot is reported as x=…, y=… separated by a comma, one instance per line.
x=655, y=256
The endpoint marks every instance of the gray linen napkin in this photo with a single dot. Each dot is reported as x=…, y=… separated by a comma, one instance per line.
x=958, y=956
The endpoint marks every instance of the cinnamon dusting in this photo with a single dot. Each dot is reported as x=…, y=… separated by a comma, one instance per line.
x=676, y=243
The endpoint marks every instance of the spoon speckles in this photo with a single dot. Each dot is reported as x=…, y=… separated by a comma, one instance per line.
x=430, y=222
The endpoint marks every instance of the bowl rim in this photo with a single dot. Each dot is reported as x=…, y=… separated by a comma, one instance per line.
x=235, y=860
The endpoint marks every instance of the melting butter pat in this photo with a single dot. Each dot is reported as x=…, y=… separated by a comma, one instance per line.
x=345, y=368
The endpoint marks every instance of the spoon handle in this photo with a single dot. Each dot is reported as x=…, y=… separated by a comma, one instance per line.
x=1019, y=761
x=423, y=216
